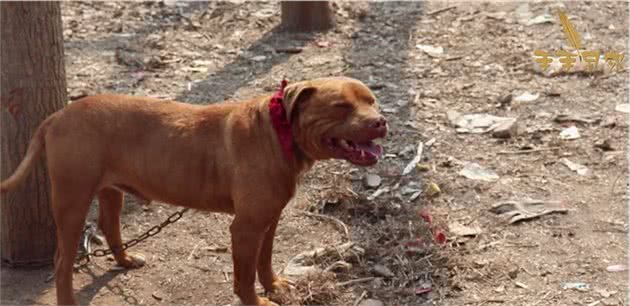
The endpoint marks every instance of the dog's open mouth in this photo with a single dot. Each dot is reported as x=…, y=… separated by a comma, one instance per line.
x=364, y=153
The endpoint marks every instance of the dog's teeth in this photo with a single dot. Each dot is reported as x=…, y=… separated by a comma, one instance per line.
x=362, y=154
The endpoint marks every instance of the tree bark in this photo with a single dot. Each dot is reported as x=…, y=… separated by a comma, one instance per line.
x=32, y=86
x=306, y=16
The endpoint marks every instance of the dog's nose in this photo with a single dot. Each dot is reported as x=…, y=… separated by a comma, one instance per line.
x=378, y=123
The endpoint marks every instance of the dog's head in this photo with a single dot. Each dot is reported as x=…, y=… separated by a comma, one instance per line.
x=335, y=118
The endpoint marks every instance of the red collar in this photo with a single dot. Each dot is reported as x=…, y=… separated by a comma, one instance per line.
x=280, y=122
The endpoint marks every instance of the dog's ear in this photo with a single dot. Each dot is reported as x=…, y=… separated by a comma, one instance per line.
x=295, y=95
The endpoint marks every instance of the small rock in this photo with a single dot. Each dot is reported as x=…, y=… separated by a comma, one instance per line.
x=545, y=18
x=372, y=181
x=623, y=108
x=382, y=270
x=371, y=302
x=513, y=273
x=526, y=97
x=617, y=268
x=505, y=129
x=570, y=133
x=76, y=94
x=259, y=58
x=580, y=169
x=604, y=145
x=505, y=100
x=431, y=50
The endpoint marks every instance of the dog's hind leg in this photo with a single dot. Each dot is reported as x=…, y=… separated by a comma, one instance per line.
x=110, y=203
x=70, y=208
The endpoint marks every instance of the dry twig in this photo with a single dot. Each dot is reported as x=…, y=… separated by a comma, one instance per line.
x=441, y=10
x=330, y=218
x=528, y=151
x=355, y=281
x=360, y=298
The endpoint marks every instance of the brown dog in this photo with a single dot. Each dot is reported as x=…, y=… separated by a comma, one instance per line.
x=240, y=158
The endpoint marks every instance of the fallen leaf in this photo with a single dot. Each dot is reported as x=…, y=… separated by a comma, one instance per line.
x=426, y=216
x=433, y=189
x=476, y=123
x=520, y=210
x=439, y=237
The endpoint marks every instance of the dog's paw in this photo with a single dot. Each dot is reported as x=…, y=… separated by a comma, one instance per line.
x=281, y=290
x=281, y=285
x=261, y=301
x=265, y=302
x=131, y=261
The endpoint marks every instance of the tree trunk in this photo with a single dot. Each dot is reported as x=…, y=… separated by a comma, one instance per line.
x=306, y=16
x=32, y=86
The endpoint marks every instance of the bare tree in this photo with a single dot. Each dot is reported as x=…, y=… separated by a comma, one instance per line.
x=306, y=16
x=32, y=86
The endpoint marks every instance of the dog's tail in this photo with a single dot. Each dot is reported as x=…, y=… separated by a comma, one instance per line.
x=32, y=153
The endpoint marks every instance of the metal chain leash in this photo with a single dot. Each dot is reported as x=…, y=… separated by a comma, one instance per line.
x=89, y=232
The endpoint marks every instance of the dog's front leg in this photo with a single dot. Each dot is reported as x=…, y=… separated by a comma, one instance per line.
x=269, y=280
x=247, y=238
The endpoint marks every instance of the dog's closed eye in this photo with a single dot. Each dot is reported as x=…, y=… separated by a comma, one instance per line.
x=343, y=105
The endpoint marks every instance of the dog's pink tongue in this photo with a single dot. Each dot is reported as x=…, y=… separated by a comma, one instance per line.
x=371, y=148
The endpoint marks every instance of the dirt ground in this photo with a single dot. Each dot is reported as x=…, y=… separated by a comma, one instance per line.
x=201, y=52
